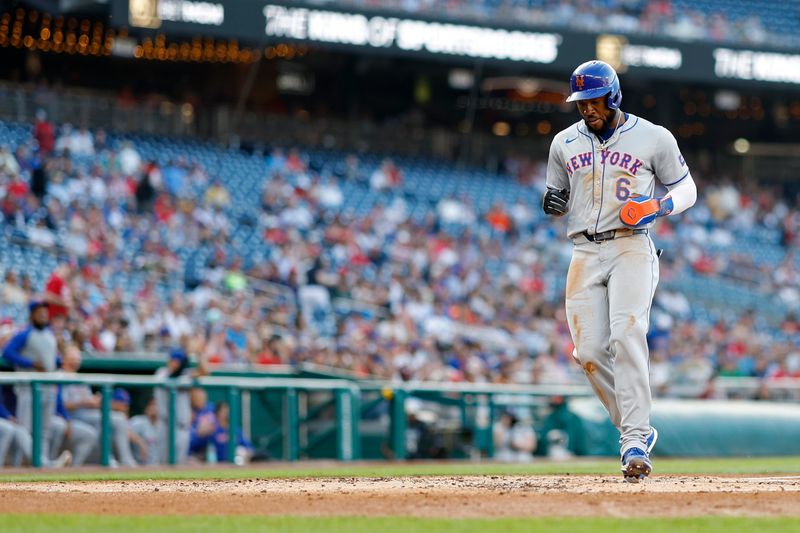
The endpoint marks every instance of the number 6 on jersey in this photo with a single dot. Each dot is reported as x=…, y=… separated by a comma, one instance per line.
x=623, y=191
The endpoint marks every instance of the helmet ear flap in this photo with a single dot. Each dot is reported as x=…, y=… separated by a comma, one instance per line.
x=614, y=99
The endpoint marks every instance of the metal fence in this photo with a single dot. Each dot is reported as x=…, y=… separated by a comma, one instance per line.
x=479, y=404
x=346, y=394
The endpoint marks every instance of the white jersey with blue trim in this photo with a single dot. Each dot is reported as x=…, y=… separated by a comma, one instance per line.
x=601, y=176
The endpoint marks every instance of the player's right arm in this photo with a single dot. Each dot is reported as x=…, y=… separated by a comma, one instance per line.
x=672, y=171
x=13, y=352
x=77, y=397
x=556, y=197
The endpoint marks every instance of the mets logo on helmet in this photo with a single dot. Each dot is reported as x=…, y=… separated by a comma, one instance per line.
x=579, y=81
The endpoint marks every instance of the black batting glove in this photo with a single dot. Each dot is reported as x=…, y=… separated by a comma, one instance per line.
x=555, y=202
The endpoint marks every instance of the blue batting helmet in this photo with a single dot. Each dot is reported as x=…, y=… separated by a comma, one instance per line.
x=593, y=79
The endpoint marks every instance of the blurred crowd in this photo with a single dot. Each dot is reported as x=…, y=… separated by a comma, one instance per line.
x=461, y=294
x=649, y=17
x=713, y=233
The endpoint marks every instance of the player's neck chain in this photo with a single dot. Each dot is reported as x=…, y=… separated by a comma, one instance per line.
x=614, y=135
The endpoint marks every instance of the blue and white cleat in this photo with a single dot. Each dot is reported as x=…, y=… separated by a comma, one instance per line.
x=651, y=440
x=636, y=465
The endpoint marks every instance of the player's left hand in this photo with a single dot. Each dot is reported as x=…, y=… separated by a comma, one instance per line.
x=642, y=210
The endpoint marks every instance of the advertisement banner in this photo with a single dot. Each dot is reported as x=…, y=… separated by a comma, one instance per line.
x=542, y=49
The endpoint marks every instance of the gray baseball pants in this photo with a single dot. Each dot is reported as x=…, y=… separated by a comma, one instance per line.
x=13, y=434
x=610, y=288
x=119, y=432
x=83, y=439
x=47, y=408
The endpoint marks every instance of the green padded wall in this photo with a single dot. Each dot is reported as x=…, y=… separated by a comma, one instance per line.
x=731, y=428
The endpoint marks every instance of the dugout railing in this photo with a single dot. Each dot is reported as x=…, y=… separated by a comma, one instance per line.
x=478, y=405
x=346, y=404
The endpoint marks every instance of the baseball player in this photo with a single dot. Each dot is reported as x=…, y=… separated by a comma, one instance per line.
x=146, y=426
x=177, y=366
x=34, y=349
x=121, y=405
x=11, y=433
x=602, y=170
x=81, y=437
x=84, y=406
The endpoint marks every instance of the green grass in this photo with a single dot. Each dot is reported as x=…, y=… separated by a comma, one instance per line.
x=282, y=524
x=699, y=466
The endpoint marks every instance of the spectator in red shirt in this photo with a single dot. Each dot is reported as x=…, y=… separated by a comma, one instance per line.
x=164, y=208
x=44, y=133
x=17, y=189
x=270, y=352
x=388, y=176
x=57, y=292
x=394, y=174
x=294, y=163
x=498, y=218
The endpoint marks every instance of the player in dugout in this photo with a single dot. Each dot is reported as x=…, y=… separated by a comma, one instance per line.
x=34, y=350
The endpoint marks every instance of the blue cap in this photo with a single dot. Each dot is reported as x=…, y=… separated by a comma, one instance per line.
x=36, y=304
x=178, y=355
x=121, y=395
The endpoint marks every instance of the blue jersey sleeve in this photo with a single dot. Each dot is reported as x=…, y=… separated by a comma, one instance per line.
x=221, y=442
x=12, y=352
x=243, y=441
x=61, y=409
x=3, y=411
x=196, y=442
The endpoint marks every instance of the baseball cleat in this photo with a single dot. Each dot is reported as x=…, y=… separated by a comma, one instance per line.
x=65, y=459
x=651, y=440
x=636, y=465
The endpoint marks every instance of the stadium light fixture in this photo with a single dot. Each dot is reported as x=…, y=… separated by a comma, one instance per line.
x=741, y=145
x=501, y=129
x=460, y=78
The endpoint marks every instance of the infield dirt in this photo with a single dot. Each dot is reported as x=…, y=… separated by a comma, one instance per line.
x=427, y=496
